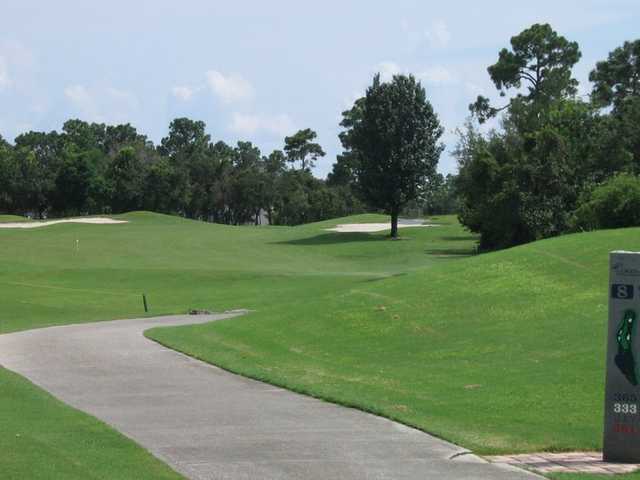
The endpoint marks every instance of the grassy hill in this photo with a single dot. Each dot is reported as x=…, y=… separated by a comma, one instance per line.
x=500, y=352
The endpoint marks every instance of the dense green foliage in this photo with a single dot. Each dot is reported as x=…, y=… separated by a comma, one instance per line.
x=96, y=169
x=392, y=145
x=614, y=204
x=617, y=78
x=523, y=182
x=441, y=196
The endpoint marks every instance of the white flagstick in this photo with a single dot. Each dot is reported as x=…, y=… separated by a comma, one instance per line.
x=77, y=245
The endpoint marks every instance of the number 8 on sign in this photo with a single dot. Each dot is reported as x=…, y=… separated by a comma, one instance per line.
x=622, y=292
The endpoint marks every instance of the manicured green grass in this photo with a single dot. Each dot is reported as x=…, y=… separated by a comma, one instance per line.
x=500, y=352
x=179, y=264
x=182, y=264
x=42, y=438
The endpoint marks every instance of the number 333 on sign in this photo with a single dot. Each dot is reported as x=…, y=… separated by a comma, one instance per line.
x=625, y=408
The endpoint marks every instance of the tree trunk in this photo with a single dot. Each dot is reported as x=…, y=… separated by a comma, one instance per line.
x=394, y=223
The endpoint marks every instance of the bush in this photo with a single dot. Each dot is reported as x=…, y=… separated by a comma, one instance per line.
x=613, y=204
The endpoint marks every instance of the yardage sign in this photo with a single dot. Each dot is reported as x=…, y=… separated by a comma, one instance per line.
x=622, y=392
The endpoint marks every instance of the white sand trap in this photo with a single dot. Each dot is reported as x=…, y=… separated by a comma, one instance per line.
x=377, y=227
x=91, y=220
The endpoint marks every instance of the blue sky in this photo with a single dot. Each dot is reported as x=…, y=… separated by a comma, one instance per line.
x=257, y=70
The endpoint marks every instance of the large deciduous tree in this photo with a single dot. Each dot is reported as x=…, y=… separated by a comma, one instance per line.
x=397, y=144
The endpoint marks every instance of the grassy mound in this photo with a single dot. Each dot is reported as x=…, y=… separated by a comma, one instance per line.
x=501, y=352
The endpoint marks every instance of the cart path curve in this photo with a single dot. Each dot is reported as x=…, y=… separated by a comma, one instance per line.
x=210, y=424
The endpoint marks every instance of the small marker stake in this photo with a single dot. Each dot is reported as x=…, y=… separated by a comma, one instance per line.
x=77, y=245
x=144, y=301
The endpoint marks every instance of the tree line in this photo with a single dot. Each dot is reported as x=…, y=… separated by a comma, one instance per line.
x=391, y=152
x=91, y=168
x=560, y=162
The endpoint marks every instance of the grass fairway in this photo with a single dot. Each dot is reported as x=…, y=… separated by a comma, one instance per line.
x=182, y=264
x=500, y=352
x=179, y=264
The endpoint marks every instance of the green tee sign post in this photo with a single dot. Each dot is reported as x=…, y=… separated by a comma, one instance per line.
x=622, y=392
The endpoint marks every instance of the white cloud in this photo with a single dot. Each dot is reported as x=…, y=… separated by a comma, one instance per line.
x=122, y=98
x=249, y=124
x=183, y=92
x=81, y=99
x=229, y=88
x=5, y=80
x=438, y=34
x=108, y=104
x=387, y=70
x=437, y=75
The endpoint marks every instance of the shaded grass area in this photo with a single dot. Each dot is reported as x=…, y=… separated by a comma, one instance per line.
x=42, y=438
x=12, y=219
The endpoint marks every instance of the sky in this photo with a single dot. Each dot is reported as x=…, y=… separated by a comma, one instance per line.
x=258, y=71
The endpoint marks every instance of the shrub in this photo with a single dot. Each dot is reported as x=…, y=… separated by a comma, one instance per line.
x=613, y=204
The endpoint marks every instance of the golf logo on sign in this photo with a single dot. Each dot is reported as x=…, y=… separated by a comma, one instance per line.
x=625, y=360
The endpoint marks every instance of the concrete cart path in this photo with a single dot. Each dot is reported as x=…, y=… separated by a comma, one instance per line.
x=210, y=424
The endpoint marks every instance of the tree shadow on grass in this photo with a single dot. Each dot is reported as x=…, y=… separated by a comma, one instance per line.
x=333, y=238
x=460, y=238
x=450, y=252
x=386, y=277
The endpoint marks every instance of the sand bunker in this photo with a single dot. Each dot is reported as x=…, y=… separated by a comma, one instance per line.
x=376, y=227
x=92, y=220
